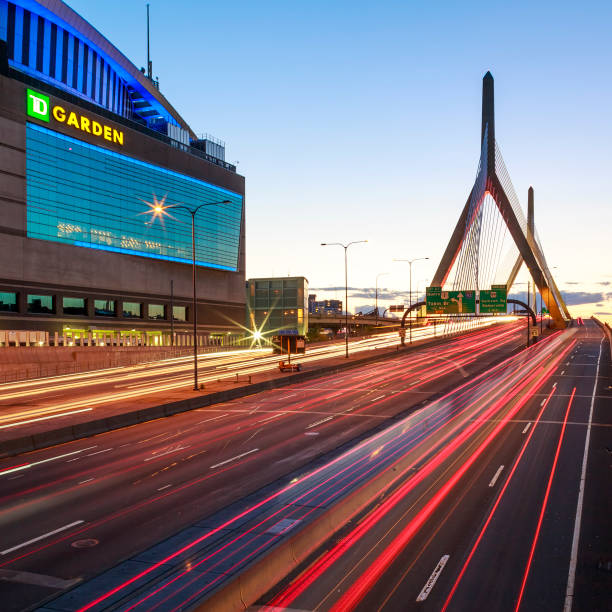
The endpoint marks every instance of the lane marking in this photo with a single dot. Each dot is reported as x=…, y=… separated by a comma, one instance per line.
x=562, y=373
x=320, y=422
x=377, y=398
x=88, y=480
x=26, y=466
x=213, y=419
x=254, y=450
x=41, y=537
x=571, y=577
x=274, y=416
x=527, y=427
x=542, y=402
x=494, y=479
x=164, y=487
x=429, y=585
x=106, y=450
x=172, y=450
x=53, y=416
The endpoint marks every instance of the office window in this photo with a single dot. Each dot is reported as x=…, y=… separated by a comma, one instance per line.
x=41, y=304
x=99, y=197
x=8, y=302
x=132, y=310
x=74, y=306
x=105, y=308
x=179, y=313
x=156, y=311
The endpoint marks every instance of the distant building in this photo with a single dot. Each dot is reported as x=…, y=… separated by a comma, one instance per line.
x=278, y=304
x=324, y=306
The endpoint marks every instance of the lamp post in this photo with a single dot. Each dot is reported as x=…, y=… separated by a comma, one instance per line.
x=160, y=210
x=377, y=277
x=410, y=262
x=345, y=247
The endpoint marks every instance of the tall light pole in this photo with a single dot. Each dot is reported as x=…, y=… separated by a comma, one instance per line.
x=410, y=262
x=345, y=247
x=160, y=210
x=377, y=277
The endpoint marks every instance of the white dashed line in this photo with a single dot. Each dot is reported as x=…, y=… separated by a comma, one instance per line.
x=320, y=422
x=429, y=585
x=212, y=467
x=494, y=479
x=88, y=480
x=41, y=537
x=527, y=427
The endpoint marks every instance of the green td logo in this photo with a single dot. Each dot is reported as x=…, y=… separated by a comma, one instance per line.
x=38, y=105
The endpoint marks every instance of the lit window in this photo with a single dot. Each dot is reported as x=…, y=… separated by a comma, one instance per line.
x=41, y=304
x=8, y=302
x=179, y=313
x=132, y=310
x=74, y=306
x=156, y=311
x=105, y=308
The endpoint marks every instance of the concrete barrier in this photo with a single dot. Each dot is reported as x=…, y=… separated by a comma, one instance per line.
x=263, y=573
x=607, y=332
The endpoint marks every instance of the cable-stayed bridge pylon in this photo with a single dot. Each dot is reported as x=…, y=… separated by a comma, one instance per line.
x=492, y=222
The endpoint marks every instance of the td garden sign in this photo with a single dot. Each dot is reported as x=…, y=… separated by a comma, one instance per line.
x=39, y=107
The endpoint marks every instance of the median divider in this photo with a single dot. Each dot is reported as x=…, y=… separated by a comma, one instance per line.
x=84, y=429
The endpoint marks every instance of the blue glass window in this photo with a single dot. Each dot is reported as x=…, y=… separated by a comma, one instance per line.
x=105, y=308
x=74, y=306
x=132, y=310
x=87, y=196
x=156, y=311
x=41, y=304
x=8, y=302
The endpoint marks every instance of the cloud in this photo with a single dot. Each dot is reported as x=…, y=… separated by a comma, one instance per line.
x=604, y=312
x=604, y=283
x=572, y=283
x=574, y=298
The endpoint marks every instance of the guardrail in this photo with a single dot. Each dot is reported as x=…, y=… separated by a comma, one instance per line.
x=607, y=331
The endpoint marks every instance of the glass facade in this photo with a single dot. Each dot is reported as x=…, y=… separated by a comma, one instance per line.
x=41, y=304
x=8, y=302
x=105, y=308
x=74, y=306
x=156, y=311
x=85, y=195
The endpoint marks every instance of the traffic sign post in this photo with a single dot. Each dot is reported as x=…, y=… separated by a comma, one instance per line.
x=494, y=301
x=449, y=302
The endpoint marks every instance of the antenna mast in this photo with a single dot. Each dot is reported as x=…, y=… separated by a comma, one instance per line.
x=149, y=63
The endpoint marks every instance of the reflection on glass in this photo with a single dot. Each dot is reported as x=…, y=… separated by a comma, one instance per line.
x=40, y=304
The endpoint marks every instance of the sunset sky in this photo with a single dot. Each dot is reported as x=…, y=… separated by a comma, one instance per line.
x=356, y=120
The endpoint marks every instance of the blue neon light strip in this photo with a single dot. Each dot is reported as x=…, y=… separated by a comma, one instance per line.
x=141, y=254
x=131, y=160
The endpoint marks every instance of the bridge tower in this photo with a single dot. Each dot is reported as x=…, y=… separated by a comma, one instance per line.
x=493, y=180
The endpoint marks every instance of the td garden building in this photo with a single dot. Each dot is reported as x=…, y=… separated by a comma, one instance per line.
x=89, y=147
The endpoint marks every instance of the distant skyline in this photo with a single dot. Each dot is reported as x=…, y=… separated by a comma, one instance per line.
x=353, y=120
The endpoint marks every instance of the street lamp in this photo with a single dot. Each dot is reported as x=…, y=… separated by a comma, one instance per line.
x=345, y=247
x=410, y=262
x=159, y=209
x=377, y=277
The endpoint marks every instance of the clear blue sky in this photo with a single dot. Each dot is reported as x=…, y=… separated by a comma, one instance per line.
x=356, y=120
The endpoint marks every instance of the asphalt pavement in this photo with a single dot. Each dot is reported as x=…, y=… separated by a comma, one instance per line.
x=70, y=512
x=499, y=523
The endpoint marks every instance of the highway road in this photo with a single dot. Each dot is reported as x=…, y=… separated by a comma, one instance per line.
x=68, y=512
x=493, y=521
x=55, y=399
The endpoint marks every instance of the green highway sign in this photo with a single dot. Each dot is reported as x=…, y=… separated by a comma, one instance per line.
x=450, y=302
x=493, y=301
